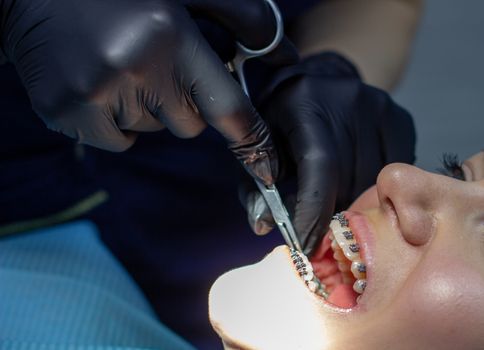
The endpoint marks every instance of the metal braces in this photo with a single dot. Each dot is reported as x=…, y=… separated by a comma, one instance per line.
x=305, y=270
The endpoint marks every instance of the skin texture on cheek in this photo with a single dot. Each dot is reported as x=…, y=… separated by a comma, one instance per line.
x=443, y=304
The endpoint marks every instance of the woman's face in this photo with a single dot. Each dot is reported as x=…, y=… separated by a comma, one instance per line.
x=421, y=236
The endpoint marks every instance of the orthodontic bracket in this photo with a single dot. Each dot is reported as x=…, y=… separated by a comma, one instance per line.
x=305, y=270
x=341, y=218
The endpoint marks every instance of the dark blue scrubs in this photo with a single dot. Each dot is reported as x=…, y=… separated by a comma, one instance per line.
x=172, y=216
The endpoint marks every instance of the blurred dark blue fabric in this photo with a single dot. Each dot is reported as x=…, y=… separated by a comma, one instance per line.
x=75, y=293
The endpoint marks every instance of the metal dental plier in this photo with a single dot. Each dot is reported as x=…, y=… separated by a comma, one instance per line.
x=270, y=193
x=280, y=215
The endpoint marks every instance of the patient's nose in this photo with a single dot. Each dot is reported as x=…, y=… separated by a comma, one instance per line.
x=413, y=196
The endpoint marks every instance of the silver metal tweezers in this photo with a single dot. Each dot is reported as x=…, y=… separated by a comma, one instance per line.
x=271, y=195
x=280, y=214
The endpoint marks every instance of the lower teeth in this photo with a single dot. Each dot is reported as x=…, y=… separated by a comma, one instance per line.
x=305, y=269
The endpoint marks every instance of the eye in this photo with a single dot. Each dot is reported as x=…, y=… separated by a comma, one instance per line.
x=452, y=166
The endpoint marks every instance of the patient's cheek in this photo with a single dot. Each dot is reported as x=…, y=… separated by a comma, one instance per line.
x=445, y=302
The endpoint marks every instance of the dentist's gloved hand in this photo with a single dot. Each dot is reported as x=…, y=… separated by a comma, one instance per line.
x=334, y=134
x=103, y=71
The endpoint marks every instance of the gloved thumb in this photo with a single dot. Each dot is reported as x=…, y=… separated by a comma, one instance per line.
x=258, y=212
x=284, y=54
x=251, y=22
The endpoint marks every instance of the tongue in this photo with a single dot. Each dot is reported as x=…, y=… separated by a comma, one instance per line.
x=343, y=296
x=322, y=260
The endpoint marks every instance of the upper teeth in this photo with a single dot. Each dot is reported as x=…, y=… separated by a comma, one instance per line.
x=358, y=269
x=347, y=252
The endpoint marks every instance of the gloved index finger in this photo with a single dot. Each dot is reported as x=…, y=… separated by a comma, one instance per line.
x=313, y=150
x=252, y=22
x=220, y=101
x=317, y=182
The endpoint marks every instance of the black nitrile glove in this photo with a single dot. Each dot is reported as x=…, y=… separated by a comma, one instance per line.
x=334, y=134
x=103, y=71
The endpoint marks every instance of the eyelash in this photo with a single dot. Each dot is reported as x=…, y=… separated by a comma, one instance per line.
x=452, y=166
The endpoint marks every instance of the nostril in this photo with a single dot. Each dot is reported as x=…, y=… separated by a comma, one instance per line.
x=389, y=209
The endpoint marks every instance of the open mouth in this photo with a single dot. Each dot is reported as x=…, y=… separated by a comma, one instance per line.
x=339, y=265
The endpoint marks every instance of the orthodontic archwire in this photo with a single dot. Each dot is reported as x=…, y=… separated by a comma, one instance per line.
x=305, y=270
